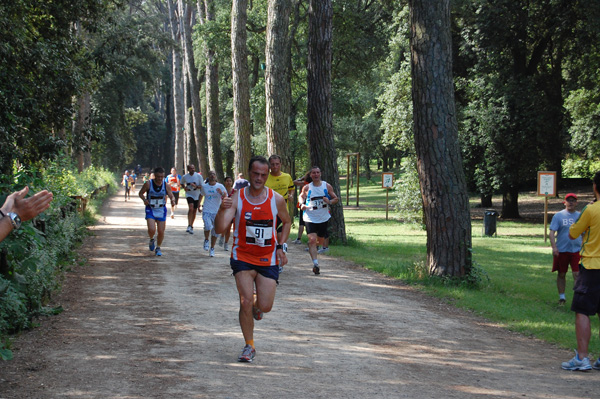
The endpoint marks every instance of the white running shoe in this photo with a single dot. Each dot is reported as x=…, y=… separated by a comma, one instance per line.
x=577, y=365
x=323, y=250
x=206, y=245
x=211, y=253
x=297, y=241
x=221, y=241
x=226, y=247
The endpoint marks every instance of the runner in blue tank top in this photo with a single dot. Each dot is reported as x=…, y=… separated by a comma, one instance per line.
x=154, y=193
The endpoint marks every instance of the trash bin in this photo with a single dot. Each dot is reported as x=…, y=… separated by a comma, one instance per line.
x=489, y=222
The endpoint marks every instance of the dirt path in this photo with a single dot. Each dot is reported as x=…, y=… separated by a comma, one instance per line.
x=137, y=326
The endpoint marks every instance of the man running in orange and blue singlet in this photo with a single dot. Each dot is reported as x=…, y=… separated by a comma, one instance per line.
x=256, y=252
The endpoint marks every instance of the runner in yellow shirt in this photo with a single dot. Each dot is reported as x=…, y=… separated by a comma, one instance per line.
x=586, y=296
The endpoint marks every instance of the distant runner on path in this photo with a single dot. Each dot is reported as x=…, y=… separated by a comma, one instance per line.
x=174, y=180
x=192, y=183
x=255, y=254
x=315, y=199
x=156, y=210
x=213, y=193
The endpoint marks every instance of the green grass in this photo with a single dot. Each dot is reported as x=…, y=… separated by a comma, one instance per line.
x=519, y=292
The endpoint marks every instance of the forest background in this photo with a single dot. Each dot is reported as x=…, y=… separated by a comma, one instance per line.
x=110, y=84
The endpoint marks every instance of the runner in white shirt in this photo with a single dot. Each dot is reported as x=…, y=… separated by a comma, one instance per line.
x=192, y=183
x=213, y=194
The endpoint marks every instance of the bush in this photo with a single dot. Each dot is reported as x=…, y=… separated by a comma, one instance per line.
x=577, y=167
x=32, y=259
x=407, y=201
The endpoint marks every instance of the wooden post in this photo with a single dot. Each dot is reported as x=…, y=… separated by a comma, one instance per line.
x=348, y=179
x=357, y=177
x=387, y=193
x=546, y=219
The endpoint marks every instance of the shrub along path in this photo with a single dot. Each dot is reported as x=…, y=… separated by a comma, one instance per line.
x=138, y=326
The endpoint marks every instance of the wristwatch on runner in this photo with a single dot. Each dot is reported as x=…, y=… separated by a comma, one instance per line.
x=283, y=247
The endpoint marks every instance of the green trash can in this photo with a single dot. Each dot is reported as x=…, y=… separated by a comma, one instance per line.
x=490, y=217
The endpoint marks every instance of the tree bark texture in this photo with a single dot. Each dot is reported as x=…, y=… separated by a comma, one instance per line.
x=213, y=126
x=277, y=81
x=178, y=99
x=319, y=108
x=441, y=176
x=241, y=88
x=199, y=134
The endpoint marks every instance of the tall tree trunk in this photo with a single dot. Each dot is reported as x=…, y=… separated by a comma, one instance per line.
x=319, y=108
x=442, y=179
x=277, y=81
x=199, y=134
x=241, y=89
x=213, y=126
x=510, y=203
x=178, y=98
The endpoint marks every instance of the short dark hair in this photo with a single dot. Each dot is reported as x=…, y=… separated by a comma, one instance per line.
x=159, y=169
x=259, y=159
x=274, y=156
x=314, y=167
x=597, y=180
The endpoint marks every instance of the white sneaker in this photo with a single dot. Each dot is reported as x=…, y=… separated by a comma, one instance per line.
x=297, y=241
x=206, y=245
x=226, y=247
x=191, y=230
x=211, y=253
x=221, y=240
x=323, y=250
x=577, y=365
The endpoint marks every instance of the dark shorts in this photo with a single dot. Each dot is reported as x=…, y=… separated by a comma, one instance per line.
x=302, y=218
x=564, y=259
x=317, y=228
x=196, y=203
x=176, y=195
x=271, y=272
x=586, y=297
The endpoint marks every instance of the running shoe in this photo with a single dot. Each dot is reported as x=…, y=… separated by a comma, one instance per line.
x=172, y=216
x=221, y=241
x=257, y=313
x=577, y=365
x=206, y=245
x=297, y=241
x=152, y=244
x=225, y=246
x=596, y=365
x=316, y=269
x=191, y=230
x=188, y=229
x=211, y=253
x=247, y=355
x=158, y=252
x=323, y=250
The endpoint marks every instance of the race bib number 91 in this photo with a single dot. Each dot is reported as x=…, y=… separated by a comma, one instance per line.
x=259, y=232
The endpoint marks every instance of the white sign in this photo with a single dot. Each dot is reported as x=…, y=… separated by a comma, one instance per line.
x=387, y=180
x=547, y=183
